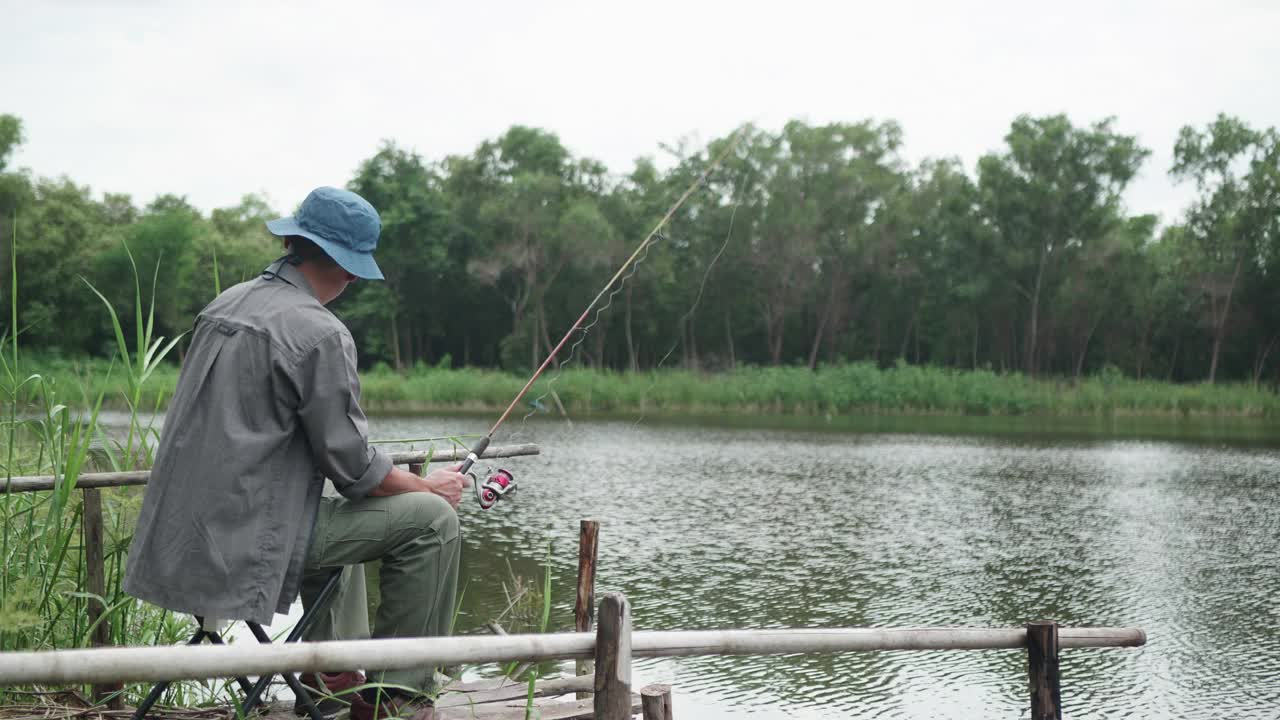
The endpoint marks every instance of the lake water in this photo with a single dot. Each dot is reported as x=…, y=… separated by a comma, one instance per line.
x=1170, y=526
x=705, y=527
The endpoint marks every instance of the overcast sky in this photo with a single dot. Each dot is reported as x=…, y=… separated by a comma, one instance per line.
x=215, y=99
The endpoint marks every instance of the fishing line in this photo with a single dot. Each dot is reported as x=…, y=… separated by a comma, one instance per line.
x=573, y=349
x=488, y=496
x=696, y=301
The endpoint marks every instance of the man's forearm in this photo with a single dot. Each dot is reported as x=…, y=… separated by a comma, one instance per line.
x=398, y=482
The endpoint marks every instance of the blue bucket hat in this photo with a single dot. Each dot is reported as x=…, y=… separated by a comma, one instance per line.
x=342, y=223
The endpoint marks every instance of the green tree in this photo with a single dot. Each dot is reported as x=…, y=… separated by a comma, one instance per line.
x=1056, y=189
x=60, y=230
x=15, y=188
x=413, y=252
x=946, y=250
x=1234, y=225
x=159, y=245
x=10, y=138
x=530, y=227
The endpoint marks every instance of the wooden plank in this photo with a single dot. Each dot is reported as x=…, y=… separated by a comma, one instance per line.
x=32, y=483
x=613, y=659
x=1042, y=669
x=507, y=689
x=96, y=584
x=584, y=608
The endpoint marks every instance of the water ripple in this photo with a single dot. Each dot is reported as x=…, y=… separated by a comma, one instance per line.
x=709, y=528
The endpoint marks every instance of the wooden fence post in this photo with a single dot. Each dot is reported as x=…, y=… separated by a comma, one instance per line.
x=1042, y=668
x=96, y=584
x=655, y=702
x=613, y=659
x=584, y=609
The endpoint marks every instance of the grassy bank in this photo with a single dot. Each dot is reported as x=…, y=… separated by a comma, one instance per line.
x=859, y=388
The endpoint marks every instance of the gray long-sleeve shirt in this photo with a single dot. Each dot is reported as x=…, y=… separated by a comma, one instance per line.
x=267, y=405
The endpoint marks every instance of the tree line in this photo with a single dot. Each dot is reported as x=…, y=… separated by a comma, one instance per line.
x=810, y=244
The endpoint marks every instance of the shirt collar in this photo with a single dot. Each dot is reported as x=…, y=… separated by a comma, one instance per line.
x=285, y=270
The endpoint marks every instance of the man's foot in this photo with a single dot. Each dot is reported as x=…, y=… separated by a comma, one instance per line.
x=326, y=684
x=392, y=706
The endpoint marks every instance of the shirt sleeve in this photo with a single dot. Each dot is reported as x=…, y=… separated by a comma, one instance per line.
x=329, y=408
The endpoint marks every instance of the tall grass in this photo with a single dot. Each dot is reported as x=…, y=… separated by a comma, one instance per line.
x=849, y=389
x=853, y=388
x=52, y=428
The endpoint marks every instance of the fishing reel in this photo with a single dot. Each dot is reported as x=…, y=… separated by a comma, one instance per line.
x=499, y=485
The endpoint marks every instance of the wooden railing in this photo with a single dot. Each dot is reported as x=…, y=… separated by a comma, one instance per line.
x=611, y=647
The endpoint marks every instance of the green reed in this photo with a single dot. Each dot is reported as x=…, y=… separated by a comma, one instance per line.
x=52, y=428
x=846, y=389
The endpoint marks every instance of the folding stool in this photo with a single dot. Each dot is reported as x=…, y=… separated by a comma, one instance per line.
x=253, y=691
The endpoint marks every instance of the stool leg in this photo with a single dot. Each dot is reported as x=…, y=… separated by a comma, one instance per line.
x=320, y=604
x=303, y=695
x=308, y=619
x=255, y=694
x=158, y=689
x=244, y=683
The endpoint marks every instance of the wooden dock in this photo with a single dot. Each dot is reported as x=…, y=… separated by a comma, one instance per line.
x=488, y=699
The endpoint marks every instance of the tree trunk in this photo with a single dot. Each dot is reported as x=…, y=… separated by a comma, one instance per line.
x=693, y=343
x=1033, y=323
x=977, y=324
x=395, y=342
x=684, y=343
x=824, y=318
x=1084, y=348
x=773, y=326
x=1220, y=322
x=533, y=343
x=916, y=338
x=1144, y=338
x=1260, y=359
x=631, y=344
x=775, y=339
x=875, y=346
x=728, y=336
x=906, y=337
x=546, y=335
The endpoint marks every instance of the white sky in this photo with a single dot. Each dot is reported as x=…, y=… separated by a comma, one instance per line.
x=215, y=99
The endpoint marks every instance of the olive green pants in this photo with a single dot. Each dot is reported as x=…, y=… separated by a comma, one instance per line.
x=415, y=536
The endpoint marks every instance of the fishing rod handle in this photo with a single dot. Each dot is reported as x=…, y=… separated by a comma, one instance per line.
x=474, y=455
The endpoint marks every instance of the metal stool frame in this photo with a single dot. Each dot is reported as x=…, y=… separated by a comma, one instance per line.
x=253, y=691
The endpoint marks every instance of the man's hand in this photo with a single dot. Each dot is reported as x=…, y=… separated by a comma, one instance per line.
x=448, y=484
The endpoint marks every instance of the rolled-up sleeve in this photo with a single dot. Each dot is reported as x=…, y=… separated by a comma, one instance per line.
x=328, y=390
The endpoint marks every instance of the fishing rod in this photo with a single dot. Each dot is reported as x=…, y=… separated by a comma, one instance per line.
x=503, y=483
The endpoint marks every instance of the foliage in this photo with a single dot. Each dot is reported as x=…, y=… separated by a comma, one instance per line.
x=812, y=244
x=1232, y=231
x=840, y=389
x=43, y=597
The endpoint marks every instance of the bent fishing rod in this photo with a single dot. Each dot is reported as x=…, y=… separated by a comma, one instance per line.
x=503, y=483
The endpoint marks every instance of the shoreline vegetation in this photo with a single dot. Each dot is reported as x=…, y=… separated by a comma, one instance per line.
x=851, y=389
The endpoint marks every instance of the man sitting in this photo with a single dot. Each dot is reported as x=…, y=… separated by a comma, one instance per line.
x=233, y=523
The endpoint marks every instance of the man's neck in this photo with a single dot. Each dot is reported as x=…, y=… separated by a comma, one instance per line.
x=326, y=284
